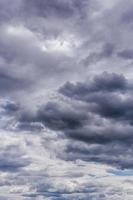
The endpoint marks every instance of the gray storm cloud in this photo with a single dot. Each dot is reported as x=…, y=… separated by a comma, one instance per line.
x=66, y=111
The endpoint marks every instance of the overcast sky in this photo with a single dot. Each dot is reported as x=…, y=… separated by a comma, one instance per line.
x=66, y=100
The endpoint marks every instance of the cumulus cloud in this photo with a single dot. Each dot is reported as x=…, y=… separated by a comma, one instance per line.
x=66, y=99
x=98, y=121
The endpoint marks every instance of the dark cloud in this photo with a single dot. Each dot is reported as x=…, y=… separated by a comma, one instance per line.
x=106, y=82
x=31, y=127
x=94, y=57
x=52, y=138
x=104, y=94
x=111, y=106
x=46, y=8
x=113, y=154
x=127, y=16
x=57, y=117
x=126, y=54
x=54, y=8
x=12, y=159
x=9, y=9
x=106, y=98
x=103, y=136
x=9, y=83
x=8, y=107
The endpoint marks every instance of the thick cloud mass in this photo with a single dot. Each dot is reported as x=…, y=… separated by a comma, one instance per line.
x=103, y=120
x=103, y=83
x=109, y=95
x=66, y=99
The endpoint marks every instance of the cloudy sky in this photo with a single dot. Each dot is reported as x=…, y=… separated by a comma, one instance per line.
x=66, y=100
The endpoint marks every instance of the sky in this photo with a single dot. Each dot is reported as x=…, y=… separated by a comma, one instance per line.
x=66, y=100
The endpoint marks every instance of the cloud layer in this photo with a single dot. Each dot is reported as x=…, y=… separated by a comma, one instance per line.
x=66, y=120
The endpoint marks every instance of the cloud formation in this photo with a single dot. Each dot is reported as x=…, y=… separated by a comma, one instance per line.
x=66, y=99
x=103, y=121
